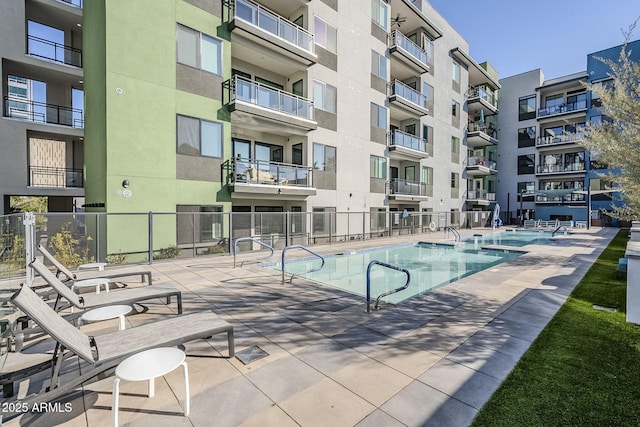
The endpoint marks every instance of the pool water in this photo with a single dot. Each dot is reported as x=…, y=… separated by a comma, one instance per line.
x=430, y=266
x=514, y=238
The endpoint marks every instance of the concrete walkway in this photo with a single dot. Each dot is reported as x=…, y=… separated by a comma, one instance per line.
x=431, y=361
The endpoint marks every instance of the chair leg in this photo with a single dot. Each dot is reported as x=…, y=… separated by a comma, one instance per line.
x=187, y=400
x=179, y=298
x=231, y=344
x=115, y=399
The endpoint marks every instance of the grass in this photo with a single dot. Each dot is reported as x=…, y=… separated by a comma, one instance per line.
x=584, y=367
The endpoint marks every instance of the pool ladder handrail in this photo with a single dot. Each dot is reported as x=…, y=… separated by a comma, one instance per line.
x=453, y=231
x=246, y=239
x=392, y=267
x=284, y=251
x=558, y=229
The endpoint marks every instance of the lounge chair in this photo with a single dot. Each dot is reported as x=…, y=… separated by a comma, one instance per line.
x=122, y=296
x=104, y=352
x=61, y=269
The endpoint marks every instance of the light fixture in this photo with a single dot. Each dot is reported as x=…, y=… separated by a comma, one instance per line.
x=279, y=190
x=125, y=183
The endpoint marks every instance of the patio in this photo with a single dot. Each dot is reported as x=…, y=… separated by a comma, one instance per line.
x=432, y=360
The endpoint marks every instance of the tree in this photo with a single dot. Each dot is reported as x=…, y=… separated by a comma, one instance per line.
x=617, y=137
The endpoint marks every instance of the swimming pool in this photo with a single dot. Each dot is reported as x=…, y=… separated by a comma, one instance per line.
x=430, y=265
x=513, y=238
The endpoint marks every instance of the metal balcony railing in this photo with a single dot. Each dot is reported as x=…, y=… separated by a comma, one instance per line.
x=481, y=195
x=40, y=112
x=245, y=90
x=487, y=128
x=481, y=161
x=562, y=108
x=479, y=92
x=567, y=198
x=47, y=49
x=403, y=139
x=396, y=38
x=408, y=188
x=561, y=168
x=274, y=24
x=46, y=176
x=559, y=139
x=400, y=89
x=244, y=170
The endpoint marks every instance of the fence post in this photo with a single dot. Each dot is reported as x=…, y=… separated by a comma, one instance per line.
x=29, y=222
x=287, y=235
x=150, y=224
x=330, y=228
x=97, y=236
x=364, y=222
x=193, y=234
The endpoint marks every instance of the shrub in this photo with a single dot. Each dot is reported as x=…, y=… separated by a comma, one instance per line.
x=116, y=258
x=167, y=253
x=67, y=249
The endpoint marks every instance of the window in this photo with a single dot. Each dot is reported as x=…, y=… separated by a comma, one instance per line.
x=576, y=101
x=528, y=187
x=324, y=157
x=378, y=116
x=527, y=137
x=427, y=91
x=606, y=85
x=379, y=12
x=455, y=179
x=199, y=50
x=455, y=108
x=378, y=167
x=526, y=164
x=197, y=137
x=455, y=76
x=378, y=65
x=324, y=96
x=427, y=175
x=296, y=154
x=325, y=35
x=553, y=101
x=527, y=107
x=455, y=145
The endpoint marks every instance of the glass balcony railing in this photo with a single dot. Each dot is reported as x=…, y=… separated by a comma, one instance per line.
x=559, y=139
x=567, y=198
x=250, y=171
x=562, y=108
x=274, y=24
x=403, y=91
x=481, y=161
x=242, y=89
x=561, y=168
x=487, y=128
x=480, y=92
x=45, y=176
x=396, y=38
x=403, y=139
x=480, y=195
x=407, y=188
x=46, y=49
x=39, y=112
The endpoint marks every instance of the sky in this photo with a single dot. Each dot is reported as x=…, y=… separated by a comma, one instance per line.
x=516, y=36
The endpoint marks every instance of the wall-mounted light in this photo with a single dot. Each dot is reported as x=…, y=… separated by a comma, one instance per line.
x=279, y=190
x=125, y=183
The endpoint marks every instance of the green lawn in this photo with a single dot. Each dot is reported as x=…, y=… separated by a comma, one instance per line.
x=584, y=368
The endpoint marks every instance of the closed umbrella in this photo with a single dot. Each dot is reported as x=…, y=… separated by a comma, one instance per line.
x=496, y=216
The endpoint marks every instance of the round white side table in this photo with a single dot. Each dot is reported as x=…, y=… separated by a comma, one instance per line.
x=106, y=313
x=148, y=365
x=93, y=265
x=97, y=282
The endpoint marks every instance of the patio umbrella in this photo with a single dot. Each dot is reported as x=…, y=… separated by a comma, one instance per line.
x=496, y=216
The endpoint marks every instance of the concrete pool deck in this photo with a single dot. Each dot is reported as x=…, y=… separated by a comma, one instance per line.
x=432, y=360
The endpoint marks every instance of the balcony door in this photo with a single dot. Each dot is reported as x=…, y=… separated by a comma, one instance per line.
x=267, y=153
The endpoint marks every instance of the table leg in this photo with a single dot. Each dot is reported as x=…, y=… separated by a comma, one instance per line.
x=115, y=397
x=187, y=400
x=152, y=388
x=98, y=289
x=122, y=325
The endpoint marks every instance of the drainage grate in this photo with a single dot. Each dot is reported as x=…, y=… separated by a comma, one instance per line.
x=251, y=354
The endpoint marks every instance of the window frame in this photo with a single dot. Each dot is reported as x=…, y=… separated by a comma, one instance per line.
x=199, y=50
x=379, y=62
x=376, y=116
x=375, y=13
x=322, y=150
x=219, y=125
x=378, y=167
x=326, y=89
x=527, y=115
x=329, y=29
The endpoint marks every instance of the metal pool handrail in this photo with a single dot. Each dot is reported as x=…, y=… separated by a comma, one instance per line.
x=454, y=231
x=392, y=267
x=245, y=239
x=284, y=251
x=559, y=229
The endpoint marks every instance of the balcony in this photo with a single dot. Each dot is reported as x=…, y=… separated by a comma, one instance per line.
x=480, y=197
x=261, y=107
x=258, y=179
x=38, y=112
x=405, y=191
x=411, y=55
x=51, y=177
x=406, y=102
x=479, y=99
x=547, y=169
x=45, y=49
x=479, y=166
x=262, y=28
x=480, y=134
x=560, y=197
x=553, y=141
x=556, y=110
x=406, y=146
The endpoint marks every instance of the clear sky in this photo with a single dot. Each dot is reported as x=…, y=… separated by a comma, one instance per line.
x=555, y=35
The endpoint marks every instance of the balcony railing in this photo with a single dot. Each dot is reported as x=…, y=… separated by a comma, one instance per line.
x=481, y=195
x=479, y=92
x=567, y=198
x=403, y=139
x=45, y=176
x=242, y=89
x=47, y=49
x=407, y=188
x=40, y=112
x=487, y=128
x=400, y=89
x=562, y=109
x=76, y=3
x=561, y=168
x=249, y=171
x=559, y=139
x=396, y=38
x=481, y=161
x=274, y=24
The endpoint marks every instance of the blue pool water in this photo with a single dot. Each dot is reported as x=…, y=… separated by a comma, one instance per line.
x=514, y=238
x=430, y=265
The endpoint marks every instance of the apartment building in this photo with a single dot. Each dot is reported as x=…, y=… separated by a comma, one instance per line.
x=252, y=107
x=41, y=129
